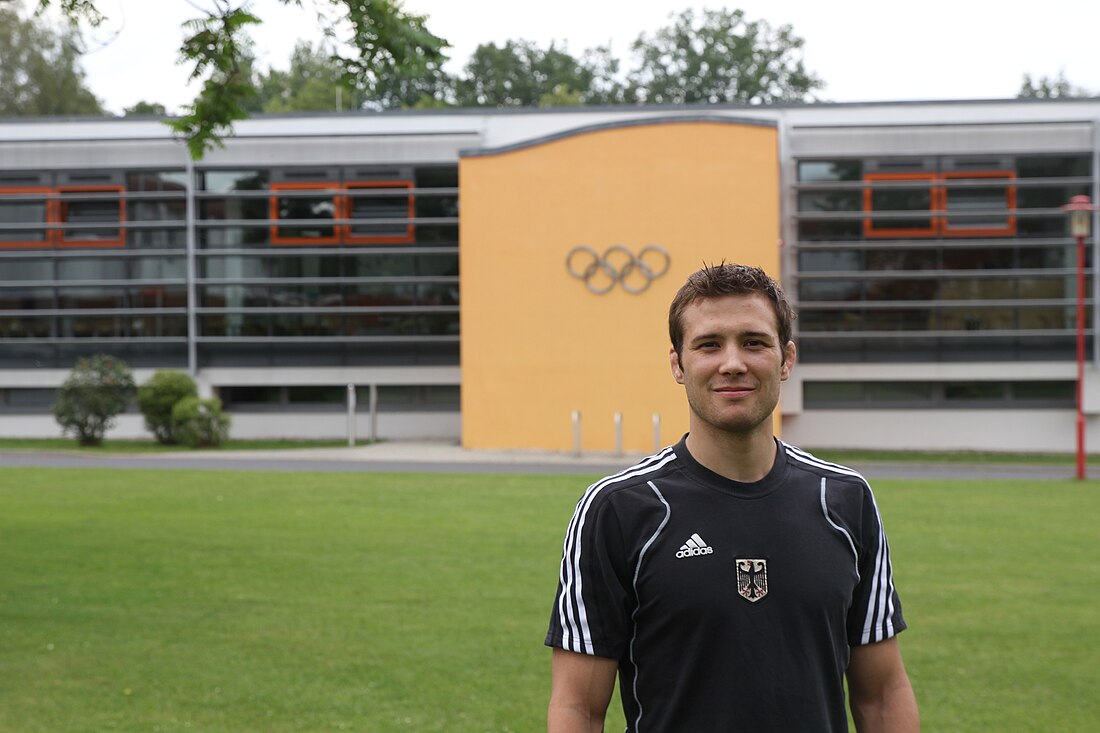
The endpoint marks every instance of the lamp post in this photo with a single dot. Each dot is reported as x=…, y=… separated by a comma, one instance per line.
x=1080, y=210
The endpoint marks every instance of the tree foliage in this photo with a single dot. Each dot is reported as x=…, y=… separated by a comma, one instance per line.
x=520, y=74
x=158, y=396
x=1046, y=87
x=40, y=73
x=386, y=42
x=96, y=391
x=720, y=56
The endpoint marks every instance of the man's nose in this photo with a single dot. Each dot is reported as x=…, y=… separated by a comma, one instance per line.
x=733, y=361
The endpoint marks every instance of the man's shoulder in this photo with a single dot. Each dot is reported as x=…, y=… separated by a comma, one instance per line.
x=637, y=477
x=811, y=465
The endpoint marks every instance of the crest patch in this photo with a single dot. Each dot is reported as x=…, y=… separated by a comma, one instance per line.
x=752, y=579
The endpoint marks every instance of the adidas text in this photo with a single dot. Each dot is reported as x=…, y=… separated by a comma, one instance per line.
x=694, y=551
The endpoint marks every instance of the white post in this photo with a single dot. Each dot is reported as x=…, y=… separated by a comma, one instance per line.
x=577, y=433
x=351, y=415
x=656, y=432
x=373, y=407
x=618, y=433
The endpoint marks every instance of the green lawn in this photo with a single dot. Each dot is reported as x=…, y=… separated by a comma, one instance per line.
x=234, y=601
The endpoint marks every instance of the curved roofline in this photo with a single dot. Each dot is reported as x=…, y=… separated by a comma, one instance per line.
x=585, y=129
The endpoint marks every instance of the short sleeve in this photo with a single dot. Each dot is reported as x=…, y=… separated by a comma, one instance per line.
x=875, y=614
x=590, y=613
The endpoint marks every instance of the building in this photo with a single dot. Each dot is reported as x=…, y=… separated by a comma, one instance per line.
x=502, y=277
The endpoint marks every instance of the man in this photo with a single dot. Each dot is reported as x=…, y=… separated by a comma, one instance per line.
x=731, y=580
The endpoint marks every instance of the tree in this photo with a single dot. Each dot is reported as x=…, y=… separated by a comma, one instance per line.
x=96, y=391
x=153, y=109
x=312, y=83
x=1047, y=88
x=720, y=57
x=385, y=42
x=520, y=74
x=158, y=396
x=40, y=74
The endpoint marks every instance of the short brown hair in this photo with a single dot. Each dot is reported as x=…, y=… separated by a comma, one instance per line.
x=715, y=281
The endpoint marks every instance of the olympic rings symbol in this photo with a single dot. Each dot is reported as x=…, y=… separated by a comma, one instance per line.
x=617, y=265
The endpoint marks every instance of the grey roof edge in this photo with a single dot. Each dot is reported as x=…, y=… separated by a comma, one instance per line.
x=614, y=125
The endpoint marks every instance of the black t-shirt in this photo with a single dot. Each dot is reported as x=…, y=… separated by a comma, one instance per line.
x=729, y=606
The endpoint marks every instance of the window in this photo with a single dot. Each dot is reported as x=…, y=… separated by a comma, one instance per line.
x=978, y=204
x=310, y=210
x=899, y=192
x=25, y=217
x=91, y=216
x=949, y=204
x=389, y=202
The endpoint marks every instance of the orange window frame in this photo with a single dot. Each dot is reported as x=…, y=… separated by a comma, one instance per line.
x=273, y=214
x=1009, y=229
x=869, y=228
x=410, y=230
x=61, y=212
x=47, y=222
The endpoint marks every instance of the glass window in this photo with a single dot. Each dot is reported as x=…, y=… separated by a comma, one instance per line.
x=810, y=171
x=1053, y=166
x=890, y=193
x=20, y=209
x=979, y=203
x=27, y=299
x=823, y=394
x=1057, y=393
x=23, y=270
x=899, y=392
x=91, y=298
x=81, y=268
x=309, y=210
x=81, y=208
x=903, y=259
x=830, y=290
x=830, y=201
x=388, y=203
x=973, y=391
x=830, y=260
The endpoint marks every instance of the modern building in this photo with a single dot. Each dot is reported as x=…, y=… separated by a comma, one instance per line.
x=503, y=277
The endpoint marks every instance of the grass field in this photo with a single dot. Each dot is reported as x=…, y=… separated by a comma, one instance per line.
x=233, y=601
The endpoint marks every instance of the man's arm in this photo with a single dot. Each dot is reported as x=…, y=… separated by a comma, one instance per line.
x=881, y=696
x=580, y=690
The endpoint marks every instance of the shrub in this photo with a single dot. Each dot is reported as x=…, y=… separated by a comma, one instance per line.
x=96, y=391
x=158, y=396
x=200, y=423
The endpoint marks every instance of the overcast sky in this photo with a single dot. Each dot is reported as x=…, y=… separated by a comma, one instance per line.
x=864, y=50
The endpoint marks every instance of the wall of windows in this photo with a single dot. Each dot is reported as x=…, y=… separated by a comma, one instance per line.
x=937, y=258
x=354, y=265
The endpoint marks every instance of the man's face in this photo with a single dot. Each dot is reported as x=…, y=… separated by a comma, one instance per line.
x=732, y=363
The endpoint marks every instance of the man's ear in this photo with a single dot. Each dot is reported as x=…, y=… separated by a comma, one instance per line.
x=789, y=355
x=674, y=362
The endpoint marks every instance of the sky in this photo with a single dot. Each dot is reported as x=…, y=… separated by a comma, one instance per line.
x=864, y=50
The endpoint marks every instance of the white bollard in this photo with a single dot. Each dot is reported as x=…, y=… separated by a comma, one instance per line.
x=656, y=432
x=618, y=433
x=351, y=415
x=577, y=433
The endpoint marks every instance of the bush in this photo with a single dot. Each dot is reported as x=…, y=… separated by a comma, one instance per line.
x=200, y=423
x=96, y=391
x=158, y=396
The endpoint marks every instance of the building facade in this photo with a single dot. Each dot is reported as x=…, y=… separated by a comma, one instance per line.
x=431, y=265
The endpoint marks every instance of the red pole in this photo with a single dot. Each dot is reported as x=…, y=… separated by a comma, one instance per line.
x=1080, y=356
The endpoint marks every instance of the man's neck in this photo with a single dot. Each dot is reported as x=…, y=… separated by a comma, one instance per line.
x=739, y=457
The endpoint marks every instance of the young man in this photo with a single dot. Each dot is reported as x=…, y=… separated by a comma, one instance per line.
x=731, y=580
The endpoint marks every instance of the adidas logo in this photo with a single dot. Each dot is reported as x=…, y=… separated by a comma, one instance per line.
x=694, y=547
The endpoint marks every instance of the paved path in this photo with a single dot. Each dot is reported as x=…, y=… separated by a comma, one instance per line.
x=448, y=457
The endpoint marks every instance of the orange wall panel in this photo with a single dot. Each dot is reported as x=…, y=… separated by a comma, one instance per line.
x=536, y=344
